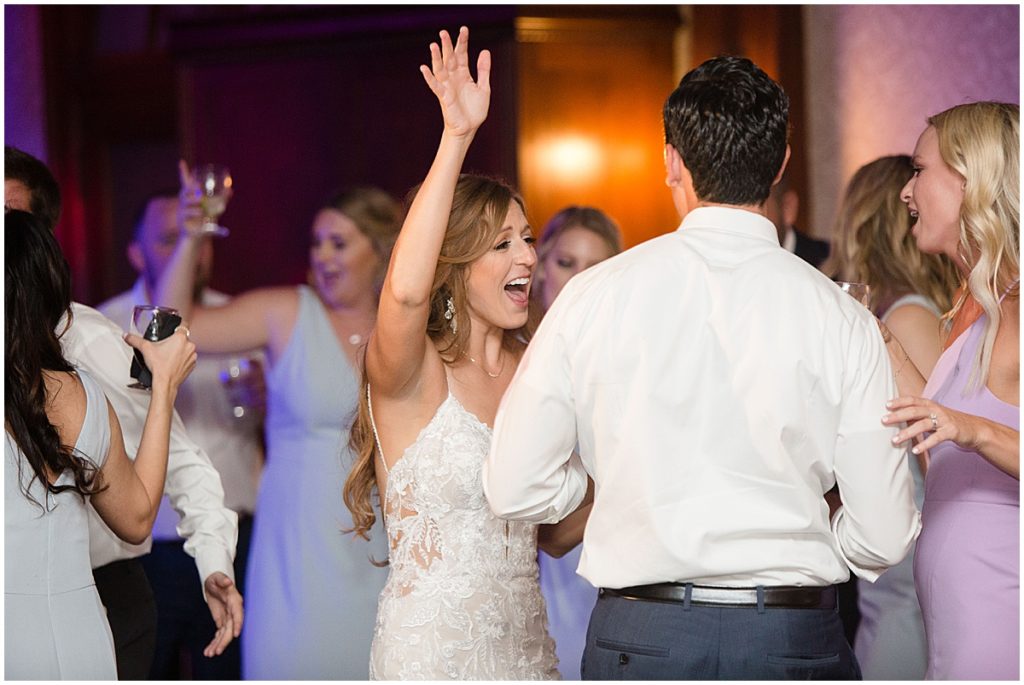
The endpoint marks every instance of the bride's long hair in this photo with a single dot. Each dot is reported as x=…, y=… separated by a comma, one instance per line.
x=479, y=208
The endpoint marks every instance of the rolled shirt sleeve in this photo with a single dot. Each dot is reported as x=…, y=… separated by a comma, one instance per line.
x=531, y=473
x=193, y=486
x=878, y=521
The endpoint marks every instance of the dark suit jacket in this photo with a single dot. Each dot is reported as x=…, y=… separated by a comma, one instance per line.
x=812, y=251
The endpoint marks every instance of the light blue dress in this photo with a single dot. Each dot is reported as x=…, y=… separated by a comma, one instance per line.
x=55, y=627
x=311, y=594
x=570, y=599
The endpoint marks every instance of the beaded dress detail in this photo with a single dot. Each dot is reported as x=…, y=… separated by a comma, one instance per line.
x=462, y=599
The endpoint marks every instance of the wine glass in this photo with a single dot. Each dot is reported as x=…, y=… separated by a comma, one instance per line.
x=152, y=323
x=858, y=291
x=213, y=182
x=242, y=378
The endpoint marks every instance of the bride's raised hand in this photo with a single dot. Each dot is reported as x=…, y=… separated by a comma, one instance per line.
x=464, y=102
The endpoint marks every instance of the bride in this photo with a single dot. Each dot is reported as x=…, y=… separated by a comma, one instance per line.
x=462, y=599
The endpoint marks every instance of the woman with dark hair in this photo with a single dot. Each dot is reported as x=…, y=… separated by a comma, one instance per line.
x=462, y=599
x=311, y=596
x=64, y=452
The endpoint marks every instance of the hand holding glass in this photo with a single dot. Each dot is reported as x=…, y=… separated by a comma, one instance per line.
x=213, y=183
x=152, y=323
x=858, y=291
x=243, y=382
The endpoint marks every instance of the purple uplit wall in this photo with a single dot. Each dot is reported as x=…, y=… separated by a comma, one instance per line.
x=875, y=72
x=24, y=111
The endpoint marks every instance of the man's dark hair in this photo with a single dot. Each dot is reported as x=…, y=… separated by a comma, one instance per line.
x=729, y=122
x=42, y=186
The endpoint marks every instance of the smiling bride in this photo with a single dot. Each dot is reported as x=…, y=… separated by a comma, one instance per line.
x=462, y=599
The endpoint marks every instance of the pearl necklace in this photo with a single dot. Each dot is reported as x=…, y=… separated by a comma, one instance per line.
x=492, y=375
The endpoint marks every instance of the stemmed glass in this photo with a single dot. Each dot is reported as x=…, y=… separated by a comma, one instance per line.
x=213, y=182
x=242, y=378
x=152, y=323
x=858, y=291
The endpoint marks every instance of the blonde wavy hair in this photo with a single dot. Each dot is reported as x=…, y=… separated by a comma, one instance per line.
x=981, y=142
x=872, y=242
x=479, y=208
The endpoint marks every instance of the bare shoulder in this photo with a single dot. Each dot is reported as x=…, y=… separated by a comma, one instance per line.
x=66, y=404
x=1004, y=373
x=401, y=416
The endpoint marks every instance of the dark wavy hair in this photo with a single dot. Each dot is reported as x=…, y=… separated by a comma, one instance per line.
x=730, y=123
x=37, y=294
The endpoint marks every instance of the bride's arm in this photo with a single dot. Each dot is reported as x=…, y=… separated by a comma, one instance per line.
x=398, y=348
x=558, y=539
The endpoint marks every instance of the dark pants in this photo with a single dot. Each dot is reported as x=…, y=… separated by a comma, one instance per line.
x=631, y=639
x=131, y=612
x=184, y=624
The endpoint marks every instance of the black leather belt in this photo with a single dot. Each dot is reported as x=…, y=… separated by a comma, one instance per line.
x=702, y=595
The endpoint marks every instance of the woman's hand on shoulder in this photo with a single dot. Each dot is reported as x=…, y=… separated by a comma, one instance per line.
x=464, y=103
x=930, y=423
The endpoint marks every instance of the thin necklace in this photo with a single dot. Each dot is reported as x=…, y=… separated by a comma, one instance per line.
x=492, y=375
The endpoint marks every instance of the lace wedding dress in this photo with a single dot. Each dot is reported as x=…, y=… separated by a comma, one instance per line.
x=462, y=600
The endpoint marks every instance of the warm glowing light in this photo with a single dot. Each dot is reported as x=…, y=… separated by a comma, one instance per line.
x=571, y=159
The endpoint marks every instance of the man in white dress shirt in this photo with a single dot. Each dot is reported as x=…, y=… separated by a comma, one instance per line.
x=193, y=486
x=717, y=386
x=233, y=444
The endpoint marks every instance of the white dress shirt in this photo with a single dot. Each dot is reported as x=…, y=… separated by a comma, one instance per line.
x=718, y=386
x=94, y=343
x=232, y=444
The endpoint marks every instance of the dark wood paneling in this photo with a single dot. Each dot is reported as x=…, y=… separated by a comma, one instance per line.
x=297, y=108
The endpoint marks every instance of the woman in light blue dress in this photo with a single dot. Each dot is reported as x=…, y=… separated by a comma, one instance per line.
x=311, y=591
x=55, y=627
x=574, y=239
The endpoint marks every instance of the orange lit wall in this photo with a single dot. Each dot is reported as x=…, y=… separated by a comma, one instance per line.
x=590, y=98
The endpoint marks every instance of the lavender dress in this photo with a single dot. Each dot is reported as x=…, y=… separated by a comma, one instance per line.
x=967, y=562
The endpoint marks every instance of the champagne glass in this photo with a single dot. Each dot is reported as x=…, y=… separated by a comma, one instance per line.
x=242, y=378
x=858, y=291
x=152, y=323
x=214, y=189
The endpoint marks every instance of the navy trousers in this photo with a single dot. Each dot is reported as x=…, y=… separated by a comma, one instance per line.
x=631, y=639
x=184, y=626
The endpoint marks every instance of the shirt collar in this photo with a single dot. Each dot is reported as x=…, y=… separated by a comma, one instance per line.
x=731, y=220
x=789, y=240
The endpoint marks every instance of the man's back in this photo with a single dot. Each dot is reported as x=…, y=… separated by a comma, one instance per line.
x=717, y=387
x=711, y=373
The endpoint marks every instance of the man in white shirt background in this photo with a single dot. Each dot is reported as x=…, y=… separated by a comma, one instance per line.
x=232, y=442
x=717, y=386
x=94, y=343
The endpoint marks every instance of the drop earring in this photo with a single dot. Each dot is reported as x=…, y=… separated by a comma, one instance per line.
x=449, y=315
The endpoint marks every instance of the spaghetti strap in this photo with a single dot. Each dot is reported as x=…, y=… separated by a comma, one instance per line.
x=1009, y=288
x=373, y=424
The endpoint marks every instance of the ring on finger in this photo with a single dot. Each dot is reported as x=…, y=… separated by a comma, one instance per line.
x=188, y=335
x=935, y=422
